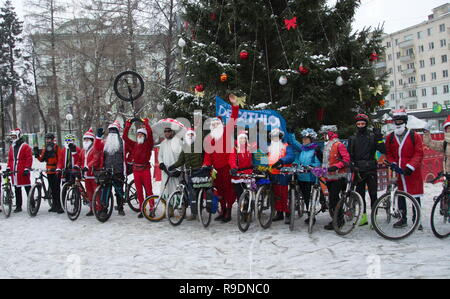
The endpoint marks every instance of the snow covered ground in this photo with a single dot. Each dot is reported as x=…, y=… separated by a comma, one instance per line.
x=51, y=246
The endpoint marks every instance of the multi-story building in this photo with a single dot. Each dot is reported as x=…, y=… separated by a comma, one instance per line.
x=417, y=61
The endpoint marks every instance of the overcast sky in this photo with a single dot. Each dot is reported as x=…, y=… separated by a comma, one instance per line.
x=396, y=14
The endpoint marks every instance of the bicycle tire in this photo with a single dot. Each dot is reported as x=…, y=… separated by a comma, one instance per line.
x=244, y=211
x=6, y=199
x=440, y=208
x=292, y=204
x=300, y=205
x=312, y=209
x=177, y=202
x=98, y=208
x=265, y=201
x=353, y=200
x=160, y=205
x=32, y=212
x=73, y=197
x=62, y=195
x=204, y=214
x=127, y=98
x=131, y=199
x=381, y=200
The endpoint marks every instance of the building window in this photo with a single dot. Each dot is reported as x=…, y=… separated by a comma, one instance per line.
x=434, y=91
x=442, y=28
x=424, y=92
x=419, y=35
x=400, y=82
x=433, y=76
x=443, y=43
x=446, y=103
x=421, y=49
x=390, y=57
x=412, y=94
x=445, y=73
x=423, y=78
x=432, y=61
x=388, y=44
x=431, y=45
x=424, y=105
x=422, y=64
x=399, y=55
x=410, y=66
x=401, y=95
x=445, y=88
x=396, y=41
x=413, y=107
x=444, y=58
x=429, y=31
x=391, y=83
x=399, y=68
x=393, y=96
x=410, y=52
x=411, y=80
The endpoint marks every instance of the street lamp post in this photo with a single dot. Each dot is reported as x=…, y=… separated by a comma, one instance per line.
x=69, y=118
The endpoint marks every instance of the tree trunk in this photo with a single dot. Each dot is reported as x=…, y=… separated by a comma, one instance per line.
x=37, y=99
x=54, y=75
x=13, y=87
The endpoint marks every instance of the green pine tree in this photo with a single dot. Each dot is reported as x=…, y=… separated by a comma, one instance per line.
x=322, y=43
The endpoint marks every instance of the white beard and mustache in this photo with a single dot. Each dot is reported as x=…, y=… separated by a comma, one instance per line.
x=112, y=143
x=141, y=140
x=217, y=133
x=400, y=129
x=189, y=140
x=87, y=145
x=275, y=148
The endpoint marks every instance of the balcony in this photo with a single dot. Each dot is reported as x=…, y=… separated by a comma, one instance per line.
x=380, y=65
x=406, y=44
x=411, y=100
x=410, y=85
x=407, y=58
x=408, y=72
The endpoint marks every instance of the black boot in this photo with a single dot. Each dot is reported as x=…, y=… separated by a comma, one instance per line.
x=140, y=215
x=227, y=216
x=220, y=217
x=18, y=210
x=329, y=226
x=121, y=212
x=287, y=218
x=278, y=216
x=91, y=213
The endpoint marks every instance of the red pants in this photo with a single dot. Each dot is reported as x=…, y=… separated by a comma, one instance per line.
x=143, y=178
x=225, y=188
x=281, y=203
x=90, y=186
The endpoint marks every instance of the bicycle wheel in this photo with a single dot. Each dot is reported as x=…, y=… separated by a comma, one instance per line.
x=204, y=204
x=312, y=209
x=154, y=208
x=129, y=86
x=300, y=204
x=73, y=203
x=347, y=213
x=131, y=197
x=293, y=196
x=440, y=217
x=62, y=196
x=265, y=206
x=176, y=207
x=34, y=200
x=103, y=203
x=406, y=221
x=245, y=211
x=7, y=199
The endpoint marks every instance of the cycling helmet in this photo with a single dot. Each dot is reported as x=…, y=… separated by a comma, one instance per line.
x=69, y=138
x=309, y=133
x=328, y=128
x=49, y=136
x=362, y=117
x=400, y=115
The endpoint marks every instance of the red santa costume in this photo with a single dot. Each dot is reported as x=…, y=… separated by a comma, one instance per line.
x=218, y=145
x=241, y=162
x=20, y=158
x=141, y=152
x=68, y=159
x=89, y=161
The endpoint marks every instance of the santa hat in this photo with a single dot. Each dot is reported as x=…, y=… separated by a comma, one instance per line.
x=89, y=134
x=447, y=122
x=215, y=120
x=400, y=114
x=242, y=134
x=276, y=132
x=115, y=125
x=142, y=131
x=190, y=131
x=16, y=132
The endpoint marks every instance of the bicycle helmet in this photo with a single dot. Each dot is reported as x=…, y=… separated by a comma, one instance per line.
x=328, y=128
x=49, y=136
x=69, y=138
x=309, y=133
x=362, y=117
x=400, y=115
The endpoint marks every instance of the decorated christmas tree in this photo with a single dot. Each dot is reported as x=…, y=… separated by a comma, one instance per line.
x=300, y=57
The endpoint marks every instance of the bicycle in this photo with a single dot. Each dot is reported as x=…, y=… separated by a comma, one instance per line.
x=131, y=197
x=39, y=191
x=7, y=194
x=179, y=200
x=295, y=199
x=76, y=196
x=440, y=213
x=265, y=199
x=247, y=201
x=348, y=209
x=317, y=196
x=394, y=205
x=202, y=180
x=69, y=174
x=103, y=200
x=154, y=206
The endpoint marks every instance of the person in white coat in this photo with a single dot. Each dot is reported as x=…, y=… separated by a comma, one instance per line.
x=169, y=152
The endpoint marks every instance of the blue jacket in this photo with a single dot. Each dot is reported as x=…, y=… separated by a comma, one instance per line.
x=305, y=155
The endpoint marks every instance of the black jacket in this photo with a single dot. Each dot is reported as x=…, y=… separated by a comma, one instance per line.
x=362, y=148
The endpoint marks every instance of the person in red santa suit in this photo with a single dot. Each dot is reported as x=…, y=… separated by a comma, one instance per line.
x=141, y=151
x=404, y=148
x=20, y=160
x=241, y=162
x=88, y=162
x=218, y=145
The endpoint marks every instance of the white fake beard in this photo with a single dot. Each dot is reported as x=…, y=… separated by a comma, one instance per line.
x=140, y=140
x=217, y=133
x=400, y=129
x=447, y=137
x=87, y=145
x=275, y=148
x=112, y=143
x=188, y=140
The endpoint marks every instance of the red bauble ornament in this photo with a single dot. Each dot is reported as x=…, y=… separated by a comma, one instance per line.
x=199, y=88
x=373, y=56
x=243, y=55
x=223, y=77
x=213, y=16
x=303, y=70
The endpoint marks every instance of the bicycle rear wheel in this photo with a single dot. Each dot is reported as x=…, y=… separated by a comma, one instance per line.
x=62, y=196
x=406, y=220
x=312, y=209
x=73, y=203
x=265, y=206
x=103, y=203
x=440, y=217
x=154, y=208
x=176, y=207
x=131, y=197
x=7, y=199
x=244, y=211
x=205, y=197
x=347, y=213
x=34, y=200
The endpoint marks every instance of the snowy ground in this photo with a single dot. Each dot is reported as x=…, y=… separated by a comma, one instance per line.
x=51, y=246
